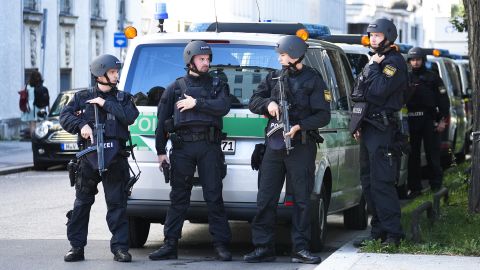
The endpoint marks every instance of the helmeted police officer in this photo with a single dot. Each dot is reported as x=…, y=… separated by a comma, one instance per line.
x=116, y=111
x=378, y=96
x=190, y=115
x=305, y=91
x=428, y=108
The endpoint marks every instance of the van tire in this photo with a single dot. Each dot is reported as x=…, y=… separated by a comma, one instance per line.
x=356, y=218
x=318, y=223
x=138, y=229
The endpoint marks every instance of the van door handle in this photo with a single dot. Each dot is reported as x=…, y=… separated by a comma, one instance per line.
x=323, y=131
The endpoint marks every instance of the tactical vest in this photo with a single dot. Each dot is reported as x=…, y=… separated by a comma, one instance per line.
x=423, y=96
x=299, y=98
x=113, y=128
x=192, y=117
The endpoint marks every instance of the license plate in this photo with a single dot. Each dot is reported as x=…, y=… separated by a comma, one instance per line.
x=69, y=146
x=228, y=147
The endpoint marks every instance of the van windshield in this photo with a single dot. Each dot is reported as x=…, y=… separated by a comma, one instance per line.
x=241, y=66
x=60, y=102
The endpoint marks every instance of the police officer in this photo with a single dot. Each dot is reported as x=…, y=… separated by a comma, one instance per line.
x=305, y=91
x=428, y=107
x=380, y=89
x=195, y=103
x=116, y=111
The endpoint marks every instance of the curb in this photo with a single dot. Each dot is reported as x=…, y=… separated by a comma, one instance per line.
x=16, y=169
x=344, y=258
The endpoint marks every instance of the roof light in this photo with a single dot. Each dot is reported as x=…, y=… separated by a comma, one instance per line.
x=130, y=32
x=436, y=53
x=302, y=33
x=161, y=11
x=365, y=40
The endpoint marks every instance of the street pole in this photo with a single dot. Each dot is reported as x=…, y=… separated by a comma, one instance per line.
x=43, y=39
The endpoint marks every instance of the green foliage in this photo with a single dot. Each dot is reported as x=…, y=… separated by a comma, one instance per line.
x=456, y=232
x=459, y=18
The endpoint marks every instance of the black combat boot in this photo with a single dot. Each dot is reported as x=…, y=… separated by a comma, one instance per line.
x=74, y=255
x=305, y=256
x=167, y=251
x=122, y=256
x=260, y=254
x=223, y=254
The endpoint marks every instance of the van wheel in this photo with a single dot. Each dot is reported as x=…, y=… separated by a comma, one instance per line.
x=318, y=221
x=356, y=218
x=138, y=229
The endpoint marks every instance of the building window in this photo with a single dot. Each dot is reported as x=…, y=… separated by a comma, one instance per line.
x=65, y=79
x=238, y=78
x=95, y=8
x=237, y=92
x=256, y=78
x=31, y=5
x=414, y=32
x=66, y=7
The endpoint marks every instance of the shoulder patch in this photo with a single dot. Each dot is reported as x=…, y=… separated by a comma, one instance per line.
x=389, y=70
x=327, y=95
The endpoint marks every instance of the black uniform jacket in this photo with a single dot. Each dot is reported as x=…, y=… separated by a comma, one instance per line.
x=74, y=115
x=218, y=106
x=427, y=93
x=387, y=83
x=309, y=108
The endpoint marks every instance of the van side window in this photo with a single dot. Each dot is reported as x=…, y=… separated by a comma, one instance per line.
x=333, y=81
x=342, y=77
x=357, y=62
x=455, y=78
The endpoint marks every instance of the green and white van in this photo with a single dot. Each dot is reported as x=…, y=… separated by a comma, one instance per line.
x=245, y=59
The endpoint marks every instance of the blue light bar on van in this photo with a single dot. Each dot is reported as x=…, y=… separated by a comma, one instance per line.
x=314, y=30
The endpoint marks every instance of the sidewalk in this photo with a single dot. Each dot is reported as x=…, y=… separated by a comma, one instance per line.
x=15, y=156
x=348, y=258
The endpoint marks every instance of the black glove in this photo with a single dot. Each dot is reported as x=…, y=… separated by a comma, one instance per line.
x=257, y=156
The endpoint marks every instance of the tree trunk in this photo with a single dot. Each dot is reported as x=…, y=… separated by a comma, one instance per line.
x=473, y=24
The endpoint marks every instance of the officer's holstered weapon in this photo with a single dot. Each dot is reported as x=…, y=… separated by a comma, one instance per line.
x=166, y=171
x=72, y=167
x=284, y=106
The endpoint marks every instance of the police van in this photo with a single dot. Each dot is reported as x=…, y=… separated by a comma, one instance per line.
x=243, y=59
x=453, y=138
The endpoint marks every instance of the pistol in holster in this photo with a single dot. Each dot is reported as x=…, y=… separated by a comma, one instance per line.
x=72, y=168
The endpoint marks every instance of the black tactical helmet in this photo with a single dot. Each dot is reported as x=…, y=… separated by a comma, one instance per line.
x=384, y=26
x=196, y=47
x=103, y=63
x=416, y=52
x=294, y=46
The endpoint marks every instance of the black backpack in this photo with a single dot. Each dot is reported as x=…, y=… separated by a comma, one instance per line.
x=42, y=98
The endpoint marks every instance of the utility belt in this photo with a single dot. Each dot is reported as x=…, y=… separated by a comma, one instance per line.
x=307, y=135
x=382, y=120
x=210, y=134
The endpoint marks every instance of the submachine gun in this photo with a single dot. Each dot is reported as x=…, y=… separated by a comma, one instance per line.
x=99, y=146
x=284, y=106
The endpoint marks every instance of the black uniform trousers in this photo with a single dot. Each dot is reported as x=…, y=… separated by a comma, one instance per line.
x=299, y=168
x=422, y=129
x=114, y=182
x=378, y=171
x=206, y=157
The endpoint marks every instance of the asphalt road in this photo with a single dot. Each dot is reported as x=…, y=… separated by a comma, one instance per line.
x=33, y=232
